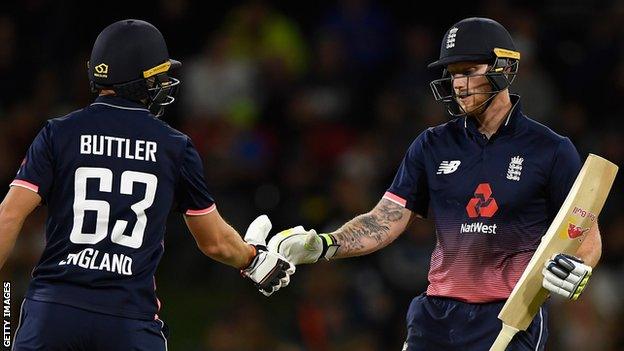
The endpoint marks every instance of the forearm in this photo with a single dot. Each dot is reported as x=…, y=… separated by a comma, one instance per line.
x=372, y=231
x=14, y=209
x=9, y=229
x=218, y=240
x=229, y=248
x=591, y=248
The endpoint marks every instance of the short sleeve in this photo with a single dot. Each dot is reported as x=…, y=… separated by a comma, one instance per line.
x=565, y=168
x=36, y=172
x=410, y=188
x=192, y=193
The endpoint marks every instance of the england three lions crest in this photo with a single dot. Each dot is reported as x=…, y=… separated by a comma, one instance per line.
x=515, y=168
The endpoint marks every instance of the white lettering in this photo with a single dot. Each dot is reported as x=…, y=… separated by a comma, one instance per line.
x=88, y=258
x=84, y=259
x=139, y=149
x=72, y=259
x=85, y=144
x=98, y=149
x=105, y=264
x=6, y=314
x=109, y=145
x=117, y=263
x=6, y=330
x=127, y=265
x=128, y=155
x=478, y=228
x=119, y=146
x=151, y=151
x=92, y=265
x=105, y=145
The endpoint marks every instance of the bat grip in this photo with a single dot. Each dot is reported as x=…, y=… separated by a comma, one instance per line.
x=504, y=338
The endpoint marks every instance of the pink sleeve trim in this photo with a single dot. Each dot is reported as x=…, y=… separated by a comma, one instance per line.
x=25, y=184
x=201, y=212
x=395, y=198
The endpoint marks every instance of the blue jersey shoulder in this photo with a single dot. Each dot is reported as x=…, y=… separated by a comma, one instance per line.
x=441, y=131
x=539, y=129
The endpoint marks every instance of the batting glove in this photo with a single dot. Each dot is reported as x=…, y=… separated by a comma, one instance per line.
x=566, y=275
x=302, y=246
x=268, y=271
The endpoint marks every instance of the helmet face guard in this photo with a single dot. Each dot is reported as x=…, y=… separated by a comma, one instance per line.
x=156, y=90
x=501, y=74
x=162, y=94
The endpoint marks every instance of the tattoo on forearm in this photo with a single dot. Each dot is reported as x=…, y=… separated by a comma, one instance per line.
x=354, y=237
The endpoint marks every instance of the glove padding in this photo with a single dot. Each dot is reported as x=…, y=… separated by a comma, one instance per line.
x=566, y=275
x=268, y=270
x=301, y=246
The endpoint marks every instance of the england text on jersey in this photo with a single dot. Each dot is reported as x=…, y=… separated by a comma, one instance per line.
x=110, y=174
x=88, y=259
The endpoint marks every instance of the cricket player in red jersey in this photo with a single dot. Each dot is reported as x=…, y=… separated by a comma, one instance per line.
x=492, y=180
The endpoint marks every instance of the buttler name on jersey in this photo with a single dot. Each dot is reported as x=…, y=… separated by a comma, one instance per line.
x=141, y=150
x=110, y=146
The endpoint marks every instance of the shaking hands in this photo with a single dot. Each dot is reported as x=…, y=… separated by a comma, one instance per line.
x=269, y=271
x=274, y=263
x=301, y=246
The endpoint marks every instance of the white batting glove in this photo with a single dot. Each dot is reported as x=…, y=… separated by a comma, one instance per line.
x=302, y=246
x=566, y=275
x=268, y=270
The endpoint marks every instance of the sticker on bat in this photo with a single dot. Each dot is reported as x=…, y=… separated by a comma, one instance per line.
x=583, y=213
x=575, y=231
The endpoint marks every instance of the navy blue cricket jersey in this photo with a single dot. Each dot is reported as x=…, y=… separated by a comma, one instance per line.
x=491, y=199
x=109, y=174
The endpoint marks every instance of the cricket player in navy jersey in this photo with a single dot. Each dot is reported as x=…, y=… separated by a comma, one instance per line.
x=492, y=180
x=110, y=173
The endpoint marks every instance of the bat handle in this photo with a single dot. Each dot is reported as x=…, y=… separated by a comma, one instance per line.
x=504, y=338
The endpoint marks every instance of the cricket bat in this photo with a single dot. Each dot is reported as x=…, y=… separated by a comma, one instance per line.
x=565, y=234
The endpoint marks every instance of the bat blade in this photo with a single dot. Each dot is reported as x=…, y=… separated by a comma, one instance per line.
x=565, y=234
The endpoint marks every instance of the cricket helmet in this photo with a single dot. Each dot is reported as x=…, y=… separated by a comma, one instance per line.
x=480, y=40
x=131, y=58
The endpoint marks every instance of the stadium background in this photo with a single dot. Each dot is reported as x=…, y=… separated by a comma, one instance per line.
x=303, y=111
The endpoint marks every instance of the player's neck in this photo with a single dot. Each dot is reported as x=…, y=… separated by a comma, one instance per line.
x=107, y=92
x=492, y=118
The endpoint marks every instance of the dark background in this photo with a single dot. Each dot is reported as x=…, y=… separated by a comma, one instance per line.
x=303, y=111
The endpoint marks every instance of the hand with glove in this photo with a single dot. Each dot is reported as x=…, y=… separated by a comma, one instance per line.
x=566, y=275
x=300, y=246
x=268, y=270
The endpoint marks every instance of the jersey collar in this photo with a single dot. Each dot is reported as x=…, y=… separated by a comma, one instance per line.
x=119, y=103
x=511, y=124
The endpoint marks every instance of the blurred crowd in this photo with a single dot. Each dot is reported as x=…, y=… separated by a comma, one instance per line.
x=304, y=112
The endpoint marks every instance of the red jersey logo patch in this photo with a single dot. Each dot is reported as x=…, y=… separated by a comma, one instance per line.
x=482, y=204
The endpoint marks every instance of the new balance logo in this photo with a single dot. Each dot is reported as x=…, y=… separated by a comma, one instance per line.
x=448, y=167
x=450, y=40
x=515, y=168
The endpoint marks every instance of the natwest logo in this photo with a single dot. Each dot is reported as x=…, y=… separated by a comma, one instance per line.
x=482, y=204
x=575, y=231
